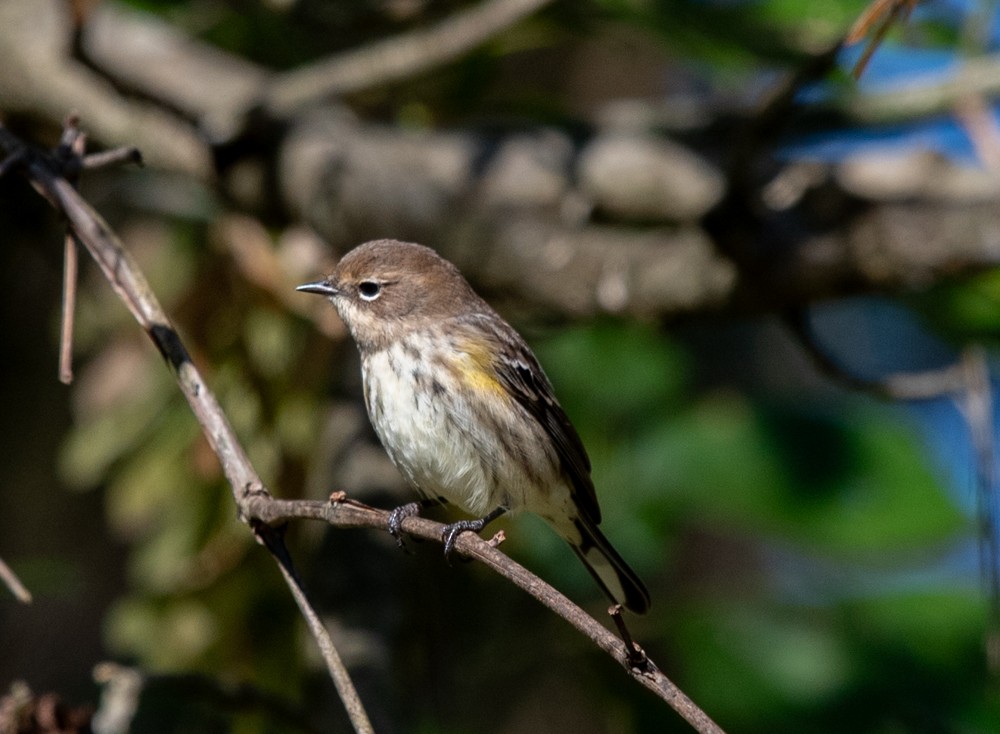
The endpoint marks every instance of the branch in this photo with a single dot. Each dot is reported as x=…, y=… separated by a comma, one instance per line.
x=39, y=78
x=882, y=15
x=396, y=58
x=255, y=504
x=132, y=287
x=936, y=93
x=947, y=381
x=345, y=513
x=12, y=582
x=275, y=543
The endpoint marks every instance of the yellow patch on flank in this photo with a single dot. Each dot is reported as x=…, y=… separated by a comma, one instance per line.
x=475, y=368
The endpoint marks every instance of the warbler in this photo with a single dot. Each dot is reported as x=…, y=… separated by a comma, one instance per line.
x=462, y=406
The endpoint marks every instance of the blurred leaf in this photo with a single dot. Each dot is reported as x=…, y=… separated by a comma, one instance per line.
x=612, y=377
x=170, y=637
x=869, y=489
x=963, y=311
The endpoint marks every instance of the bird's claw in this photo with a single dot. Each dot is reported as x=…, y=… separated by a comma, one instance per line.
x=396, y=517
x=451, y=532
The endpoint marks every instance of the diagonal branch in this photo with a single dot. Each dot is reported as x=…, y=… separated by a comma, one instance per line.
x=341, y=513
x=273, y=539
x=132, y=287
x=12, y=582
x=255, y=504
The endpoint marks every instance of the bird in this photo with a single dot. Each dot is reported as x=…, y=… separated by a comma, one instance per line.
x=463, y=408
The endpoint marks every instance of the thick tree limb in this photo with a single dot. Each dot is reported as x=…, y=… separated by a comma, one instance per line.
x=254, y=503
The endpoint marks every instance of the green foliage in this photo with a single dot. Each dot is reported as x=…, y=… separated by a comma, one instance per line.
x=966, y=310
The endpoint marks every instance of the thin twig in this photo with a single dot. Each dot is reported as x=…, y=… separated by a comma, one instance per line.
x=884, y=13
x=72, y=148
x=12, y=582
x=637, y=657
x=113, y=157
x=396, y=58
x=70, y=264
x=273, y=540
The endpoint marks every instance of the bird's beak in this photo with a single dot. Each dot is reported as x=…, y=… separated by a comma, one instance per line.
x=320, y=287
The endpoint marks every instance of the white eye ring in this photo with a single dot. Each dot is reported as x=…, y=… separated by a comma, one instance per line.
x=369, y=290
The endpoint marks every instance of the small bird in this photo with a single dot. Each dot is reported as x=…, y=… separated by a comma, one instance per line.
x=462, y=406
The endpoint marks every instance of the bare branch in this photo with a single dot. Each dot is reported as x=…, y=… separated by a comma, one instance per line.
x=274, y=542
x=12, y=582
x=882, y=14
x=131, y=286
x=38, y=77
x=70, y=259
x=113, y=157
x=73, y=148
x=346, y=513
x=395, y=58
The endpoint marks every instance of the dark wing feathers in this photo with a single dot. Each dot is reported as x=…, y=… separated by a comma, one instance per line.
x=523, y=377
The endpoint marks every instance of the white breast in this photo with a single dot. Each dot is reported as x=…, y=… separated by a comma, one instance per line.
x=422, y=435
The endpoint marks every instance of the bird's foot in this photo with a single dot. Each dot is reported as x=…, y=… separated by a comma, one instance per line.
x=451, y=532
x=396, y=517
x=449, y=536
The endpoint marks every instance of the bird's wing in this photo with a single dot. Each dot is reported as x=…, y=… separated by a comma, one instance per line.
x=521, y=375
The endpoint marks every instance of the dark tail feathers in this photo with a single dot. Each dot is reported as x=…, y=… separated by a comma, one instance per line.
x=609, y=569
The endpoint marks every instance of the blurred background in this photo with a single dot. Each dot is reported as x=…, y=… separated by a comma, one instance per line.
x=746, y=272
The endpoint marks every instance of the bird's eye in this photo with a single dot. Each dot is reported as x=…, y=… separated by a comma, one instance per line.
x=369, y=290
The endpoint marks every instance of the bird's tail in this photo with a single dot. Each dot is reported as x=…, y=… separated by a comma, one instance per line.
x=608, y=568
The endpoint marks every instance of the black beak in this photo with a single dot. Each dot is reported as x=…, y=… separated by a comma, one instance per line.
x=320, y=287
